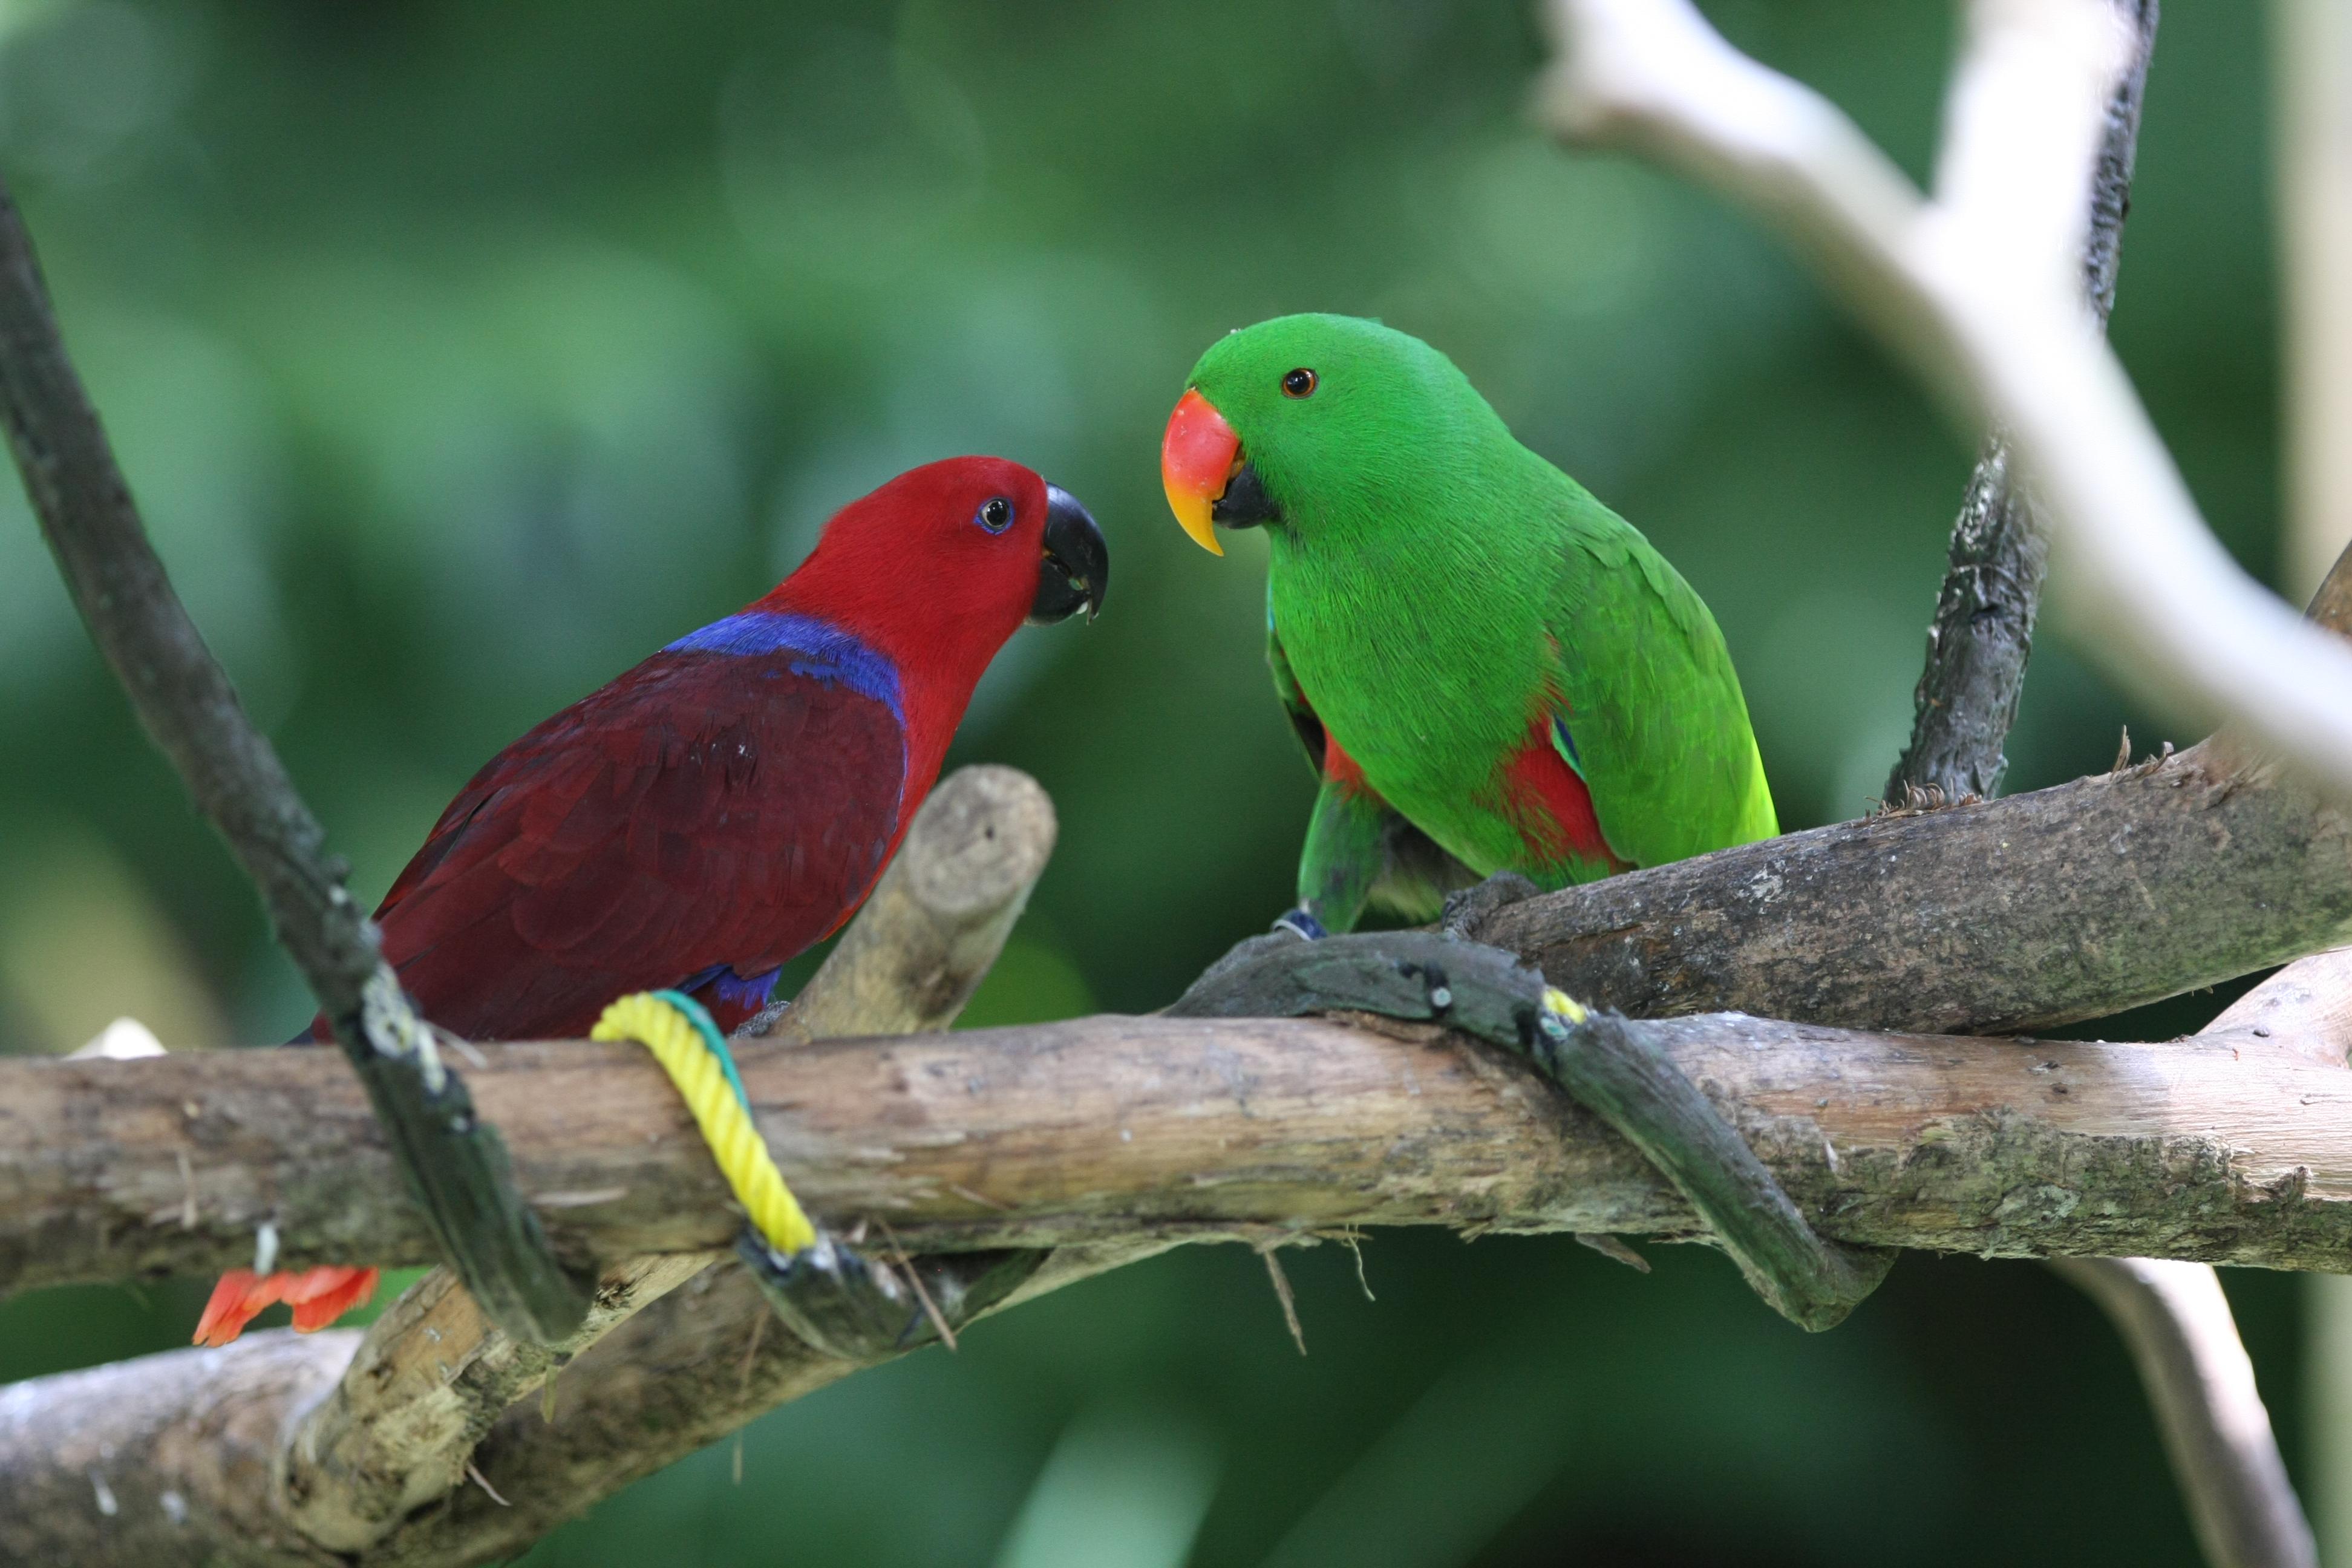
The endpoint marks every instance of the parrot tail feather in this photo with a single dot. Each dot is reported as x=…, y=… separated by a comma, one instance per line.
x=319, y=1296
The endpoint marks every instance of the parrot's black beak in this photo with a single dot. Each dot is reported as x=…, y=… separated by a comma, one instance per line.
x=1244, y=503
x=1075, y=570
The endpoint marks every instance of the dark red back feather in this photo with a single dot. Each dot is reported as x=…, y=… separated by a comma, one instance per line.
x=705, y=809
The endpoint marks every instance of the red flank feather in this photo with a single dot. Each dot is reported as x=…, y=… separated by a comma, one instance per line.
x=1552, y=806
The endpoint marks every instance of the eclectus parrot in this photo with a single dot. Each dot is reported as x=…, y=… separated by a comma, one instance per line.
x=1491, y=670
x=729, y=801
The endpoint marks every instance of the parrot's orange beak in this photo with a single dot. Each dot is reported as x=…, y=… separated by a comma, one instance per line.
x=1197, y=458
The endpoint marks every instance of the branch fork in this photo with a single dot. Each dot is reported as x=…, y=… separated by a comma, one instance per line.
x=1977, y=294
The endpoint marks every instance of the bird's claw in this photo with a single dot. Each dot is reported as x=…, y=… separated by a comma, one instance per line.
x=1467, y=909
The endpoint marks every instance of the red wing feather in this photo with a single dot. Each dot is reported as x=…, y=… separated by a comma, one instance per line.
x=706, y=808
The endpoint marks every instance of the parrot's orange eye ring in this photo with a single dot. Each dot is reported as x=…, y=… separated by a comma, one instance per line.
x=1299, y=383
x=995, y=514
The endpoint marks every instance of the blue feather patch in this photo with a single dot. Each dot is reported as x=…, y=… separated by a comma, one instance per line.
x=1565, y=744
x=730, y=989
x=829, y=654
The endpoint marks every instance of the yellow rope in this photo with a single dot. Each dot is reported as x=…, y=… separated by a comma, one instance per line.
x=694, y=1062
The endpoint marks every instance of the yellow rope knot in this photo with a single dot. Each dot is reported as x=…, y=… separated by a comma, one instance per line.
x=688, y=1046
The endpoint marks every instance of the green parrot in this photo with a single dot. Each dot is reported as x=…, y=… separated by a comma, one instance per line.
x=1491, y=670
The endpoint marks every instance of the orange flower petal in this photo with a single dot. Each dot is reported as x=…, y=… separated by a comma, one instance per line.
x=327, y=1294
x=239, y=1295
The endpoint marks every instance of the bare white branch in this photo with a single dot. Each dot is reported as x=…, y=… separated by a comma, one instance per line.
x=2000, y=337
x=2009, y=184
x=2176, y=1323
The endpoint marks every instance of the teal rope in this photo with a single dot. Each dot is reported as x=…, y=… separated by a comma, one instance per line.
x=707, y=1027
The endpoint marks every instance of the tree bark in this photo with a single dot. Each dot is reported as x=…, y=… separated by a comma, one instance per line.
x=2073, y=902
x=1982, y=632
x=1136, y=1134
x=2216, y=1148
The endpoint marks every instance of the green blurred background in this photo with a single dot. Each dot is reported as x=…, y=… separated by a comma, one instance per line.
x=462, y=354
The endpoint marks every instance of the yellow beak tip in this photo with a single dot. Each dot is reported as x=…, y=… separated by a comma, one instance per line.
x=1192, y=517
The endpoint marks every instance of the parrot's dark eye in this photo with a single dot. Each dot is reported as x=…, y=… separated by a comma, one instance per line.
x=995, y=514
x=1299, y=383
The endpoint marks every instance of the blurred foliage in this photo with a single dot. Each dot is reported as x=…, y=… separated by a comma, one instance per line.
x=461, y=354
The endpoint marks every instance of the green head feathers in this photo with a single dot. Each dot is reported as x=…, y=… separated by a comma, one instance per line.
x=1344, y=421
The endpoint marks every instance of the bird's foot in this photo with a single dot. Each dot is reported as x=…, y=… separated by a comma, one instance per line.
x=844, y=1302
x=1613, y=1066
x=1467, y=909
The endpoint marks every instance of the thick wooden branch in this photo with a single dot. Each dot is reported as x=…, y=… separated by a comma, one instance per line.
x=1138, y=1132
x=2217, y=1148
x=165, y=1459
x=1979, y=1144
x=2023, y=913
x=171, y=1461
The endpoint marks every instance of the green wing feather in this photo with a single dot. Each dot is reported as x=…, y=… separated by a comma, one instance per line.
x=1654, y=718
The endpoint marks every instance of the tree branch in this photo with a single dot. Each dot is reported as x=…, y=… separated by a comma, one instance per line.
x=1982, y=632
x=2078, y=901
x=2176, y=1323
x=2306, y=1008
x=178, y=690
x=1135, y=1133
x=671, y=1382
x=2174, y=1316
x=185, y=1446
x=451, y=1160
x=934, y=923
x=1099, y=1128
x=886, y=1129
x=1979, y=293
x=2023, y=913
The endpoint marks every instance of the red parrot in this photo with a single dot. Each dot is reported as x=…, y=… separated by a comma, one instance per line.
x=726, y=803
